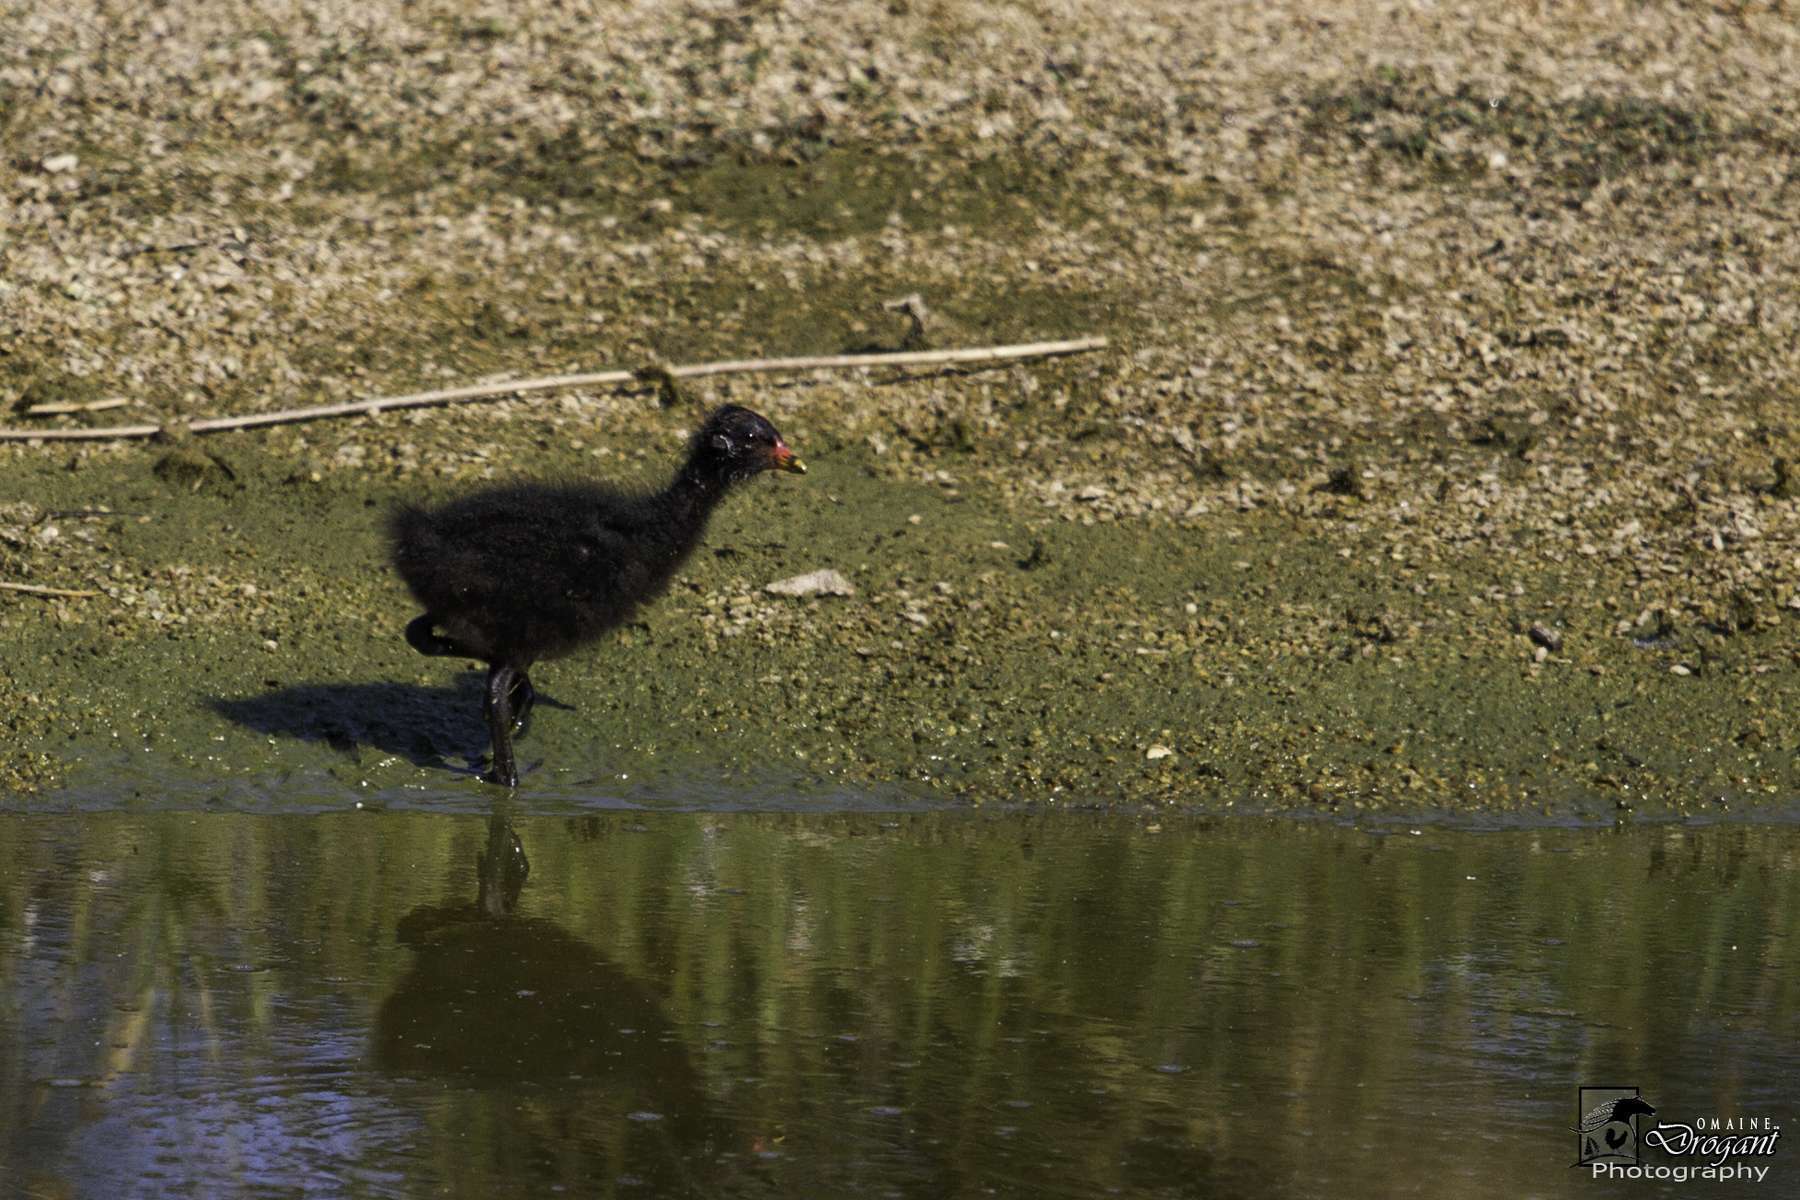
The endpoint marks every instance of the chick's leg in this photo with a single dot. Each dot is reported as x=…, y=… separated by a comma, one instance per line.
x=498, y=709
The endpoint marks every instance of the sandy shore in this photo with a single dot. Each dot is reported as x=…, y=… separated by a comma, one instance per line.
x=1440, y=462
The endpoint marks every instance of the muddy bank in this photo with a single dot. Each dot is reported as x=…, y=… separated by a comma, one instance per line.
x=1442, y=460
x=249, y=631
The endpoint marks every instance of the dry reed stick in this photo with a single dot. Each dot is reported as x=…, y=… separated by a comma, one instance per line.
x=52, y=410
x=36, y=590
x=911, y=358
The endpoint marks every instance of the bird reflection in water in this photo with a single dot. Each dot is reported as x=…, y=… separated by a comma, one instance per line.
x=570, y=1064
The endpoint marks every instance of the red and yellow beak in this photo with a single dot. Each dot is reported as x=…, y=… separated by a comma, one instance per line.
x=785, y=459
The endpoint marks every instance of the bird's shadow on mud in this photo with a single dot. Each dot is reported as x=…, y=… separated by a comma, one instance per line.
x=429, y=726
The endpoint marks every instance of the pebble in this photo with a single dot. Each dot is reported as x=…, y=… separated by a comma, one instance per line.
x=826, y=582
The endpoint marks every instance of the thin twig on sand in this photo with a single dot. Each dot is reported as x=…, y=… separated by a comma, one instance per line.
x=912, y=358
x=33, y=589
x=52, y=410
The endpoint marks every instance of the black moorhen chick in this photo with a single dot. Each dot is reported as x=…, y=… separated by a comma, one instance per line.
x=526, y=571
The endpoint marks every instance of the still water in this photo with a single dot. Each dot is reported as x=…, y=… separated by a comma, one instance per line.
x=924, y=1004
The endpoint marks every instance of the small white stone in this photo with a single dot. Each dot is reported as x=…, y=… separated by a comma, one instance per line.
x=56, y=164
x=815, y=583
x=1156, y=752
